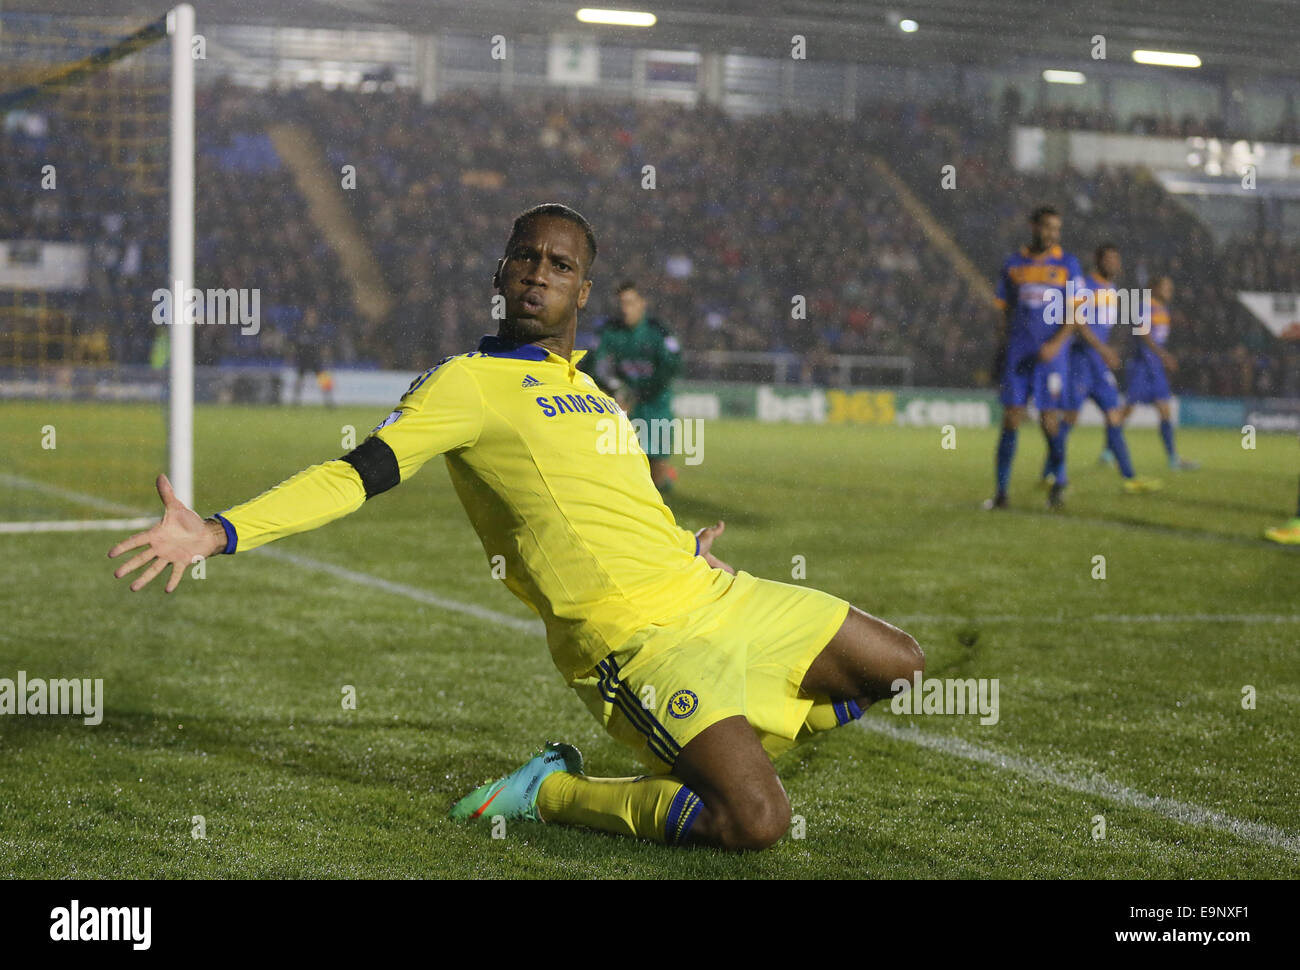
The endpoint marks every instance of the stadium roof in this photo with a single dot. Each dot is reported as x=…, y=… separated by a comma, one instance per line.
x=1248, y=35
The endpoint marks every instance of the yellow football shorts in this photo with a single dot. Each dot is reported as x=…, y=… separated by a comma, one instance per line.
x=746, y=653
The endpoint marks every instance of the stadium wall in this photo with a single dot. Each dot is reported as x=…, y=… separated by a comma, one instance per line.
x=867, y=406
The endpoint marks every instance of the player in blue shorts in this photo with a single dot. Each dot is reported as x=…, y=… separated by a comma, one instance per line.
x=1039, y=290
x=1092, y=361
x=1147, y=370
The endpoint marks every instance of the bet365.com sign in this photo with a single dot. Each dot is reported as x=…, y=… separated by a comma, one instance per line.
x=916, y=408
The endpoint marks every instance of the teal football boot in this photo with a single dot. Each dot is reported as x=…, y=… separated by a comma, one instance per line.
x=515, y=795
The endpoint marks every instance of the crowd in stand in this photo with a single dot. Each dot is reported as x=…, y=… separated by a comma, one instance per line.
x=730, y=226
x=54, y=188
x=252, y=229
x=762, y=234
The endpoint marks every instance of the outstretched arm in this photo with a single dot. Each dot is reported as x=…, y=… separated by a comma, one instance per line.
x=177, y=540
x=442, y=411
x=308, y=500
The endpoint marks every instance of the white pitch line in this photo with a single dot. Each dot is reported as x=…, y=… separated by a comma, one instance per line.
x=1095, y=785
x=67, y=494
x=364, y=579
x=78, y=525
x=411, y=592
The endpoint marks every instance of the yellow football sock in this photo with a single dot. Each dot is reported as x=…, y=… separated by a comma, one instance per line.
x=826, y=715
x=655, y=807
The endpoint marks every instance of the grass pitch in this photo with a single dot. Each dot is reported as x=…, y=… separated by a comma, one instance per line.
x=1119, y=697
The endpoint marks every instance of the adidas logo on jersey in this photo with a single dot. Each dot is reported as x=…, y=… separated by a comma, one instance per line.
x=530, y=381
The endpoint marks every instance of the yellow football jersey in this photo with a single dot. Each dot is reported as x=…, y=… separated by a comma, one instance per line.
x=553, y=479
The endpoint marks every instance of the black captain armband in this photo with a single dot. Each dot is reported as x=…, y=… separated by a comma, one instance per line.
x=376, y=464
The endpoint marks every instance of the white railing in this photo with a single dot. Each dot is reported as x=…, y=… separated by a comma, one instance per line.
x=754, y=366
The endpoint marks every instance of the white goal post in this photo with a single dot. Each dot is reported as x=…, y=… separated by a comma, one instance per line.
x=180, y=424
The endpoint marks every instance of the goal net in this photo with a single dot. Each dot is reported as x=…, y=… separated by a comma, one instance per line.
x=91, y=120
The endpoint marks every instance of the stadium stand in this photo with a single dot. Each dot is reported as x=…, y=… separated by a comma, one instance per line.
x=747, y=213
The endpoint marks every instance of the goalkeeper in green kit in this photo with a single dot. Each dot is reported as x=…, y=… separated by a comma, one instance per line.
x=635, y=362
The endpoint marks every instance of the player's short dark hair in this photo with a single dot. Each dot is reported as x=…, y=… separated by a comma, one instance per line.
x=625, y=286
x=561, y=211
x=1103, y=249
x=1036, y=216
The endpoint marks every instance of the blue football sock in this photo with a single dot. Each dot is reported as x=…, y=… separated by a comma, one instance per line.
x=1056, y=454
x=1006, y=452
x=1167, y=436
x=1118, y=446
x=1062, y=433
